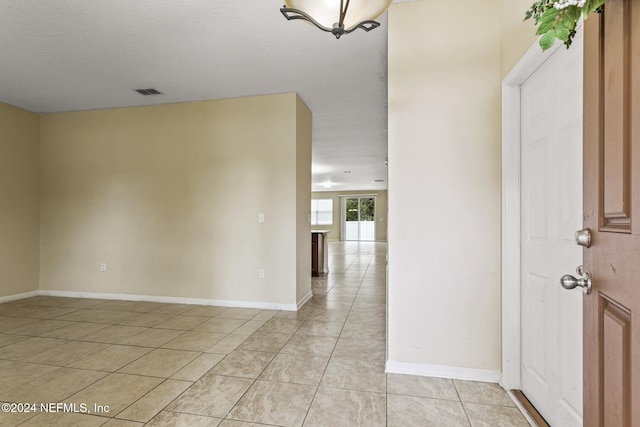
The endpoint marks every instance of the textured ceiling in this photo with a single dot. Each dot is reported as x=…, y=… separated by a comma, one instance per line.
x=69, y=55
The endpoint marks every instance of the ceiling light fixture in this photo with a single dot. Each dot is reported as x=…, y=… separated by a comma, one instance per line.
x=337, y=16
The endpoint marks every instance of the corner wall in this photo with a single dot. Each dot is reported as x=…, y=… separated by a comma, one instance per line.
x=444, y=189
x=168, y=197
x=19, y=205
x=303, y=201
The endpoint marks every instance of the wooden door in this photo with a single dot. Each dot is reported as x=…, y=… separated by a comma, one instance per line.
x=551, y=212
x=612, y=212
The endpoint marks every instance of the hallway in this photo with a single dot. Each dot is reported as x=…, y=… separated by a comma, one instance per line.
x=183, y=365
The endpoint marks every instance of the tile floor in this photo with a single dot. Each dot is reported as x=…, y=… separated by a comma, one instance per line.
x=181, y=365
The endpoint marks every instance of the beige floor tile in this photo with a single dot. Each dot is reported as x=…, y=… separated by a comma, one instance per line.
x=204, y=310
x=240, y=313
x=72, y=302
x=228, y=344
x=405, y=411
x=66, y=419
x=154, y=401
x=22, y=350
x=335, y=407
x=265, y=315
x=176, y=419
x=321, y=329
x=364, y=317
x=291, y=368
x=15, y=374
x=414, y=385
x=15, y=417
x=160, y=363
x=147, y=320
x=9, y=324
x=293, y=315
x=220, y=325
x=358, y=330
x=116, y=391
x=66, y=354
x=265, y=341
x=53, y=387
x=494, y=416
x=211, y=396
x=334, y=305
x=249, y=327
x=114, y=334
x=356, y=374
x=236, y=423
x=481, y=392
x=174, y=309
x=111, y=358
x=329, y=315
x=243, y=363
x=308, y=344
x=97, y=316
x=195, y=341
x=40, y=312
x=121, y=423
x=6, y=339
x=153, y=337
x=198, y=367
x=76, y=330
x=129, y=306
x=41, y=328
x=361, y=349
x=281, y=326
x=183, y=323
x=276, y=403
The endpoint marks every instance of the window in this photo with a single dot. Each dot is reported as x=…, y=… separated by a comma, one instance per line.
x=321, y=212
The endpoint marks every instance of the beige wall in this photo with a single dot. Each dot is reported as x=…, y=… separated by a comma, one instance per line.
x=381, y=212
x=19, y=208
x=168, y=196
x=444, y=184
x=516, y=36
x=303, y=200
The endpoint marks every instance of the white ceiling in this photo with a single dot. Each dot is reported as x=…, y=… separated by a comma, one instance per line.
x=69, y=55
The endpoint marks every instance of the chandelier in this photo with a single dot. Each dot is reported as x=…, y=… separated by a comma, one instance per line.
x=337, y=16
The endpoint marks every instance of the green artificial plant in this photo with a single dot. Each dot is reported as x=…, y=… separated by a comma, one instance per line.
x=557, y=19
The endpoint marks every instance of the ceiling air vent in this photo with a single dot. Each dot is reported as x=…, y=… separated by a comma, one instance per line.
x=148, y=92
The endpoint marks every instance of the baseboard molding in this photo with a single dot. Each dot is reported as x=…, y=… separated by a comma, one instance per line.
x=440, y=371
x=16, y=297
x=172, y=300
x=304, y=300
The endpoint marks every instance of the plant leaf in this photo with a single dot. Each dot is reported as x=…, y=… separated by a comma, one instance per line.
x=549, y=15
x=562, y=33
x=573, y=13
x=544, y=28
x=548, y=39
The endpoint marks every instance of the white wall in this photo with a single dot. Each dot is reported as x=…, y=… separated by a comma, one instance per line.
x=444, y=188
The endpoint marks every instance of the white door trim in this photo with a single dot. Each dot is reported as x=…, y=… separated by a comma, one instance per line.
x=528, y=64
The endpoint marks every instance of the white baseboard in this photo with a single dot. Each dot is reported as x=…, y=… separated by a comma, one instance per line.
x=304, y=299
x=172, y=300
x=440, y=371
x=16, y=297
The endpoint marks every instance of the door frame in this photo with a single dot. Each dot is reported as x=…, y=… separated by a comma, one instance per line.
x=511, y=216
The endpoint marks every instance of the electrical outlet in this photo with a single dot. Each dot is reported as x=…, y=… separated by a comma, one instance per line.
x=103, y=267
x=261, y=273
x=261, y=217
